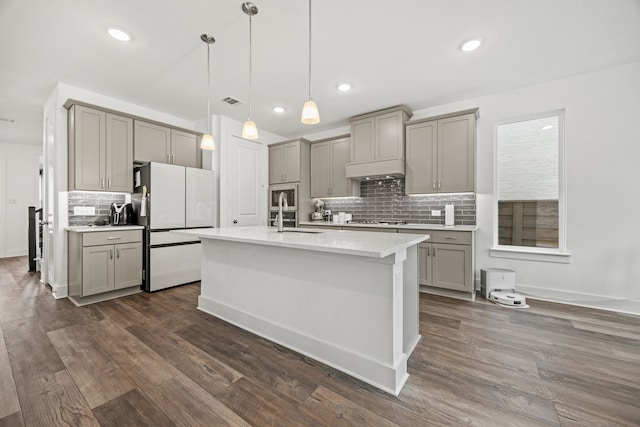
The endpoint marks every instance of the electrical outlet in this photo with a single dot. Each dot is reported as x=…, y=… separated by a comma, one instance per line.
x=84, y=210
x=436, y=213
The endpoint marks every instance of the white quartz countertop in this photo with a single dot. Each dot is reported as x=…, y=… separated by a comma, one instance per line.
x=402, y=226
x=369, y=244
x=99, y=228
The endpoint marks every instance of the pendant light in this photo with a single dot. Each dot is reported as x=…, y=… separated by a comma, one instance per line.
x=207, y=142
x=249, y=130
x=310, y=113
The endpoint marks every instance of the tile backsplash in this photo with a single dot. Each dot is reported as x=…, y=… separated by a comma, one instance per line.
x=384, y=200
x=101, y=201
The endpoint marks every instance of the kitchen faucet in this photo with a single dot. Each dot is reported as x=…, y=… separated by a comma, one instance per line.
x=281, y=198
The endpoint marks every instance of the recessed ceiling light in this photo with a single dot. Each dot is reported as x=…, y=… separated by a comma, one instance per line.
x=472, y=44
x=547, y=127
x=119, y=34
x=344, y=87
x=278, y=110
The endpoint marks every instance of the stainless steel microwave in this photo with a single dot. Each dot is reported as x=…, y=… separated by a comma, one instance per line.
x=290, y=194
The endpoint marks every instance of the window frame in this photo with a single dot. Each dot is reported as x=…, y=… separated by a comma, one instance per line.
x=561, y=253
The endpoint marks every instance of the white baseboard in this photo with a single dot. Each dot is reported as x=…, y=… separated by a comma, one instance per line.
x=388, y=378
x=626, y=306
x=60, y=291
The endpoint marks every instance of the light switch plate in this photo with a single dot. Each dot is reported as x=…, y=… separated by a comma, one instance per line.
x=84, y=210
x=436, y=213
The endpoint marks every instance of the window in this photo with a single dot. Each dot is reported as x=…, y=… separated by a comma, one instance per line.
x=530, y=184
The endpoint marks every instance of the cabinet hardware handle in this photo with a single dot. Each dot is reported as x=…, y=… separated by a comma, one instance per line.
x=108, y=182
x=101, y=182
x=173, y=158
x=439, y=185
x=110, y=253
x=434, y=252
x=434, y=185
x=113, y=238
x=118, y=253
x=168, y=158
x=428, y=251
x=450, y=237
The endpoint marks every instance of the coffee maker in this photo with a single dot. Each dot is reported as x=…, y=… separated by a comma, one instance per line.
x=121, y=215
x=318, y=215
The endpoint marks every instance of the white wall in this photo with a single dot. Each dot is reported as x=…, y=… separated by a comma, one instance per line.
x=602, y=140
x=19, y=180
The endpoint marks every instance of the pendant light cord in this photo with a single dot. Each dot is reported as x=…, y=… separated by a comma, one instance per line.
x=309, y=49
x=209, y=87
x=250, y=66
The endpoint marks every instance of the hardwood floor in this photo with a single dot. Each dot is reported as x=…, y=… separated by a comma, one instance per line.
x=153, y=359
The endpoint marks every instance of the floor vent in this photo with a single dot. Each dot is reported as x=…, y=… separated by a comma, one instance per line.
x=231, y=101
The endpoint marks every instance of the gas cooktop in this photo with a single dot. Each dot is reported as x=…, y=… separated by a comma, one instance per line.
x=375, y=222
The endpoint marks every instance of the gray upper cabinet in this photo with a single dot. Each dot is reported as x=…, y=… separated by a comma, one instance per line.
x=441, y=155
x=100, y=150
x=185, y=149
x=152, y=143
x=377, y=143
x=328, y=169
x=284, y=162
x=156, y=143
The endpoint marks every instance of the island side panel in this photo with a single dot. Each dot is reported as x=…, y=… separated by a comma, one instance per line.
x=343, y=310
x=411, y=306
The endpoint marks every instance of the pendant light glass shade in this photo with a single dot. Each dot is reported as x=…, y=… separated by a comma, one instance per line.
x=310, y=113
x=249, y=130
x=207, y=142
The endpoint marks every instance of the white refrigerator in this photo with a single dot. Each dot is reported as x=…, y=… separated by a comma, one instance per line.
x=169, y=197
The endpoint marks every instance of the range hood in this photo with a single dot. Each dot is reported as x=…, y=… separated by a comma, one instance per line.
x=377, y=144
x=376, y=169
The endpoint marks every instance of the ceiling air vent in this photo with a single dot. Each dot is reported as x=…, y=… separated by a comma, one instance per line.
x=231, y=101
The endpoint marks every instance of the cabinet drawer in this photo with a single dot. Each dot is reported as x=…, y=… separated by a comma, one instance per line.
x=453, y=237
x=111, y=237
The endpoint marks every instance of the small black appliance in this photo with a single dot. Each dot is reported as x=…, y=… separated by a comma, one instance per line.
x=121, y=215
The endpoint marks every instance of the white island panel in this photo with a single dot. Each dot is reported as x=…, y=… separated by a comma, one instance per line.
x=355, y=312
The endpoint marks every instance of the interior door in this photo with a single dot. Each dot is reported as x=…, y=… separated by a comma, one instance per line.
x=247, y=193
x=47, y=272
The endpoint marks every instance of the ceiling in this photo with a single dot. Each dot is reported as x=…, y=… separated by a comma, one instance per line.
x=392, y=52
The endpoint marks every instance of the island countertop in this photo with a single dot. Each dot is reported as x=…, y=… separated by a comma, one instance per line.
x=368, y=244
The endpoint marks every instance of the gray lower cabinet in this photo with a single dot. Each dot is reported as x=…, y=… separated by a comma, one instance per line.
x=104, y=261
x=445, y=264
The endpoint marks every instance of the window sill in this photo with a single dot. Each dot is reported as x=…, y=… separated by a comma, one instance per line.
x=533, y=254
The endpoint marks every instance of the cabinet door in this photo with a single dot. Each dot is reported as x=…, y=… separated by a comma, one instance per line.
x=424, y=264
x=97, y=269
x=362, y=134
x=320, y=169
x=128, y=265
x=389, y=136
x=89, y=140
x=422, y=158
x=276, y=164
x=341, y=186
x=152, y=143
x=119, y=153
x=185, y=149
x=456, y=154
x=292, y=162
x=451, y=266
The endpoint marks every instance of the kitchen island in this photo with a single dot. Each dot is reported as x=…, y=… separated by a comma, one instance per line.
x=348, y=299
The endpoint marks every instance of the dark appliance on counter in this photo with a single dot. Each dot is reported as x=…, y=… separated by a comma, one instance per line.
x=168, y=198
x=121, y=215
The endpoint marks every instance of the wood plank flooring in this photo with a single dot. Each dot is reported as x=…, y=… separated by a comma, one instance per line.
x=154, y=360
